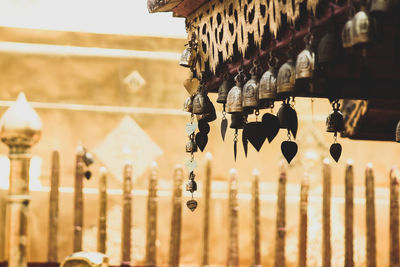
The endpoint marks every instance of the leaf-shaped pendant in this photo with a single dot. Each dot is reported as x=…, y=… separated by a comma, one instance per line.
x=289, y=150
x=201, y=140
x=271, y=126
x=255, y=134
x=335, y=151
x=245, y=141
x=191, y=204
x=224, y=126
x=235, y=149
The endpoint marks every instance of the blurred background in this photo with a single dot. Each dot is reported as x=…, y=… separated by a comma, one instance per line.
x=105, y=74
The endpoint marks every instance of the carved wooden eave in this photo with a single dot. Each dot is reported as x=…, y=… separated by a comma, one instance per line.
x=370, y=119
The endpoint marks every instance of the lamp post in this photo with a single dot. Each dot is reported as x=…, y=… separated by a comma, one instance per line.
x=20, y=129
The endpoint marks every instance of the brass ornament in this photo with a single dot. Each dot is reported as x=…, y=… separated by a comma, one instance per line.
x=347, y=34
x=381, y=6
x=223, y=89
x=285, y=83
x=255, y=134
x=335, y=124
x=188, y=57
x=360, y=28
x=209, y=113
x=271, y=126
x=237, y=121
x=306, y=61
x=234, y=98
x=288, y=117
x=289, y=150
x=267, y=87
x=191, y=146
x=250, y=89
x=199, y=103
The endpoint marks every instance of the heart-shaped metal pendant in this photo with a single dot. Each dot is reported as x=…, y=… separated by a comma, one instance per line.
x=191, y=204
x=201, y=140
x=271, y=126
x=255, y=133
x=191, y=85
x=289, y=150
x=336, y=151
x=224, y=126
x=88, y=174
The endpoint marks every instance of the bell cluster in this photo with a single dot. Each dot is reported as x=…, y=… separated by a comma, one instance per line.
x=308, y=71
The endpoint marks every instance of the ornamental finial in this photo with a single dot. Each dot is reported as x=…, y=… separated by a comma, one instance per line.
x=20, y=124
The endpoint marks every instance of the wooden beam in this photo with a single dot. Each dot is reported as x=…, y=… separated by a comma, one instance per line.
x=162, y=5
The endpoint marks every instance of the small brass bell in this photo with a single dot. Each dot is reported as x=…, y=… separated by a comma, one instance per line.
x=398, y=132
x=199, y=103
x=188, y=105
x=305, y=61
x=335, y=122
x=267, y=88
x=191, y=186
x=234, y=98
x=209, y=113
x=347, y=34
x=191, y=146
x=223, y=90
x=188, y=57
x=285, y=83
x=250, y=90
x=237, y=121
x=360, y=28
x=328, y=49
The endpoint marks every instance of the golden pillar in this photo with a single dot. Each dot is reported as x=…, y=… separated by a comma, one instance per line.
x=326, y=214
x=54, y=208
x=126, y=215
x=20, y=129
x=102, y=230
x=303, y=220
x=394, y=218
x=78, y=199
x=349, y=216
x=206, y=216
x=233, y=229
x=151, y=219
x=281, y=218
x=176, y=218
x=255, y=223
x=370, y=216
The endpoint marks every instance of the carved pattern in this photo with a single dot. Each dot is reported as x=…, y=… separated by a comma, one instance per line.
x=219, y=25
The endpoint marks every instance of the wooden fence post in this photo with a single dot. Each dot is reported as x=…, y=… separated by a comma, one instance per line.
x=151, y=220
x=233, y=227
x=255, y=223
x=394, y=217
x=78, y=199
x=281, y=218
x=206, y=216
x=370, y=216
x=326, y=214
x=349, y=215
x=176, y=218
x=102, y=228
x=126, y=215
x=54, y=208
x=303, y=220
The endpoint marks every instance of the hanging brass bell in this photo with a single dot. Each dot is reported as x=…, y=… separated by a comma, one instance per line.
x=223, y=90
x=305, y=62
x=191, y=146
x=360, y=28
x=250, y=94
x=234, y=98
x=209, y=113
x=199, y=103
x=188, y=57
x=237, y=121
x=267, y=87
x=335, y=122
x=328, y=49
x=285, y=83
x=380, y=6
x=398, y=132
x=347, y=34
x=284, y=116
x=188, y=105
